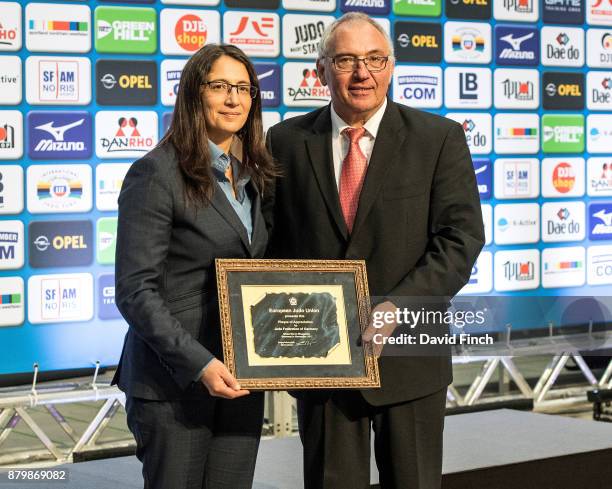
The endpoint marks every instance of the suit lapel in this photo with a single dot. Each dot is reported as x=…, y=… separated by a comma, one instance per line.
x=223, y=207
x=258, y=239
x=319, y=146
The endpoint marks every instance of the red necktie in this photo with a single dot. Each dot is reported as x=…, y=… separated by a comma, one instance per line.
x=352, y=175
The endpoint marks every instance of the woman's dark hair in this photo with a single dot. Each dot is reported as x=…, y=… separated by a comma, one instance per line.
x=188, y=135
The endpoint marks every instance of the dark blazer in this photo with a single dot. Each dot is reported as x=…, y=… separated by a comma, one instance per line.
x=165, y=277
x=418, y=226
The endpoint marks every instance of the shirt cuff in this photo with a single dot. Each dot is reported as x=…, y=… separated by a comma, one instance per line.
x=201, y=372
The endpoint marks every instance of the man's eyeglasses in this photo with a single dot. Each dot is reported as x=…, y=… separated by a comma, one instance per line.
x=373, y=63
x=219, y=87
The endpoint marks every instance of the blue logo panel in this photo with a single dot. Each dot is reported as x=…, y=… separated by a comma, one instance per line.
x=563, y=11
x=59, y=135
x=518, y=46
x=106, y=297
x=372, y=7
x=600, y=221
x=484, y=178
x=268, y=75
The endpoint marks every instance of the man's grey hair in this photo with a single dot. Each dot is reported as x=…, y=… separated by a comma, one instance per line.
x=355, y=17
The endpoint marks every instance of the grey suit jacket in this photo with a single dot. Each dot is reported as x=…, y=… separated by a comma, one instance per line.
x=165, y=277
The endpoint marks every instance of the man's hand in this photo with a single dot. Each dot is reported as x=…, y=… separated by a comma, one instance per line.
x=381, y=310
x=220, y=383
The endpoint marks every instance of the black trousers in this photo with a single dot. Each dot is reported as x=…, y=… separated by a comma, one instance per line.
x=407, y=444
x=209, y=444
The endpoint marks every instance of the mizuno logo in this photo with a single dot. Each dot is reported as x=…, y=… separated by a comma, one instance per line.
x=516, y=43
x=605, y=217
x=58, y=132
x=265, y=75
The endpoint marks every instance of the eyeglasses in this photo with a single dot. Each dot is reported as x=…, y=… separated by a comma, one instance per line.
x=219, y=87
x=347, y=63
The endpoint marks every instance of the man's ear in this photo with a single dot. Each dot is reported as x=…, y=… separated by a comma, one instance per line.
x=321, y=72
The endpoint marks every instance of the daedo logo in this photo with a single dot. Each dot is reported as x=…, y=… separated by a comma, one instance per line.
x=10, y=26
x=563, y=177
x=600, y=221
x=563, y=133
x=59, y=135
x=563, y=267
x=418, y=41
x=563, y=91
x=418, y=86
x=11, y=134
x=599, y=175
x=516, y=45
x=467, y=87
x=302, y=87
x=268, y=75
x=109, y=179
x=517, y=223
x=516, y=10
x=122, y=82
x=482, y=170
x=11, y=245
x=563, y=11
x=516, y=270
x=60, y=243
x=106, y=297
x=468, y=9
x=257, y=34
x=185, y=31
x=563, y=221
x=562, y=46
x=10, y=80
x=125, y=134
x=11, y=189
x=60, y=298
x=599, y=90
x=59, y=188
x=599, y=12
x=516, y=88
x=372, y=7
x=125, y=30
x=477, y=129
x=516, y=133
x=58, y=28
x=58, y=81
x=11, y=301
x=467, y=42
x=516, y=178
x=427, y=8
x=302, y=33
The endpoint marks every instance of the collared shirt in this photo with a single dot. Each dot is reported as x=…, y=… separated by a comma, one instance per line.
x=241, y=203
x=340, y=143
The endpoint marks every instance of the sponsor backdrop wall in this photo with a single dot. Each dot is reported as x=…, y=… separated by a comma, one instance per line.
x=88, y=87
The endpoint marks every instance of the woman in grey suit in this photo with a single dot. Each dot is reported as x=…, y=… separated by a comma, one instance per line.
x=194, y=198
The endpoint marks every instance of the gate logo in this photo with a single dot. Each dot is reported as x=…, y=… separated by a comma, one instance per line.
x=106, y=237
x=109, y=179
x=600, y=221
x=302, y=87
x=418, y=86
x=11, y=134
x=516, y=270
x=418, y=8
x=599, y=90
x=125, y=134
x=563, y=91
x=563, y=133
x=126, y=82
x=171, y=70
x=516, y=89
x=371, y=7
x=125, y=30
x=11, y=301
x=60, y=298
x=468, y=9
x=10, y=81
x=563, y=177
x=517, y=223
x=599, y=12
x=563, y=11
x=600, y=133
x=58, y=81
x=517, y=133
x=302, y=33
x=600, y=48
x=482, y=170
x=11, y=245
x=562, y=46
x=183, y=32
x=563, y=221
x=599, y=177
x=268, y=75
x=257, y=34
x=106, y=297
x=481, y=278
x=58, y=28
x=60, y=243
x=59, y=135
x=11, y=189
x=516, y=10
x=59, y=188
x=517, y=178
x=10, y=26
x=467, y=42
x=418, y=41
x=477, y=129
x=517, y=45
x=563, y=267
x=467, y=88
x=599, y=265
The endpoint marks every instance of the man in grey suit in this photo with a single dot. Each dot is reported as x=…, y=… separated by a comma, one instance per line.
x=365, y=178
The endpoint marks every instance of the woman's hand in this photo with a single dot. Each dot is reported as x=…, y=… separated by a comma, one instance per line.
x=220, y=383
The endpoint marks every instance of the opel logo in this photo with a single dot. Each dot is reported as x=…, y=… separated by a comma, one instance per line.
x=42, y=243
x=108, y=81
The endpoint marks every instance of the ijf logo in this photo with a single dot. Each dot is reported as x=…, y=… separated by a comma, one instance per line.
x=257, y=34
x=418, y=41
x=106, y=297
x=516, y=45
x=562, y=46
x=467, y=88
x=516, y=88
x=481, y=277
x=477, y=129
x=600, y=221
x=599, y=174
x=467, y=42
x=372, y=7
x=268, y=75
x=600, y=48
x=600, y=133
x=599, y=12
x=563, y=91
x=11, y=301
x=418, y=86
x=563, y=221
x=59, y=135
x=563, y=11
x=563, y=133
x=11, y=134
x=516, y=10
x=302, y=33
x=482, y=170
x=10, y=80
x=60, y=298
x=302, y=87
x=60, y=243
x=11, y=245
x=599, y=90
x=186, y=31
x=128, y=134
x=59, y=188
x=109, y=178
x=517, y=270
x=321, y=5
x=10, y=26
x=58, y=28
x=563, y=177
x=58, y=81
x=517, y=178
x=517, y=133
x=599, y=268
x=125, y=30
x=517, y=223
x=11, y=189
x=171, y=70
x=563, y=267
